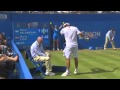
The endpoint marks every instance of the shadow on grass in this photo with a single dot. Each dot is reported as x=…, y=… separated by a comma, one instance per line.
x=54, y=69
x=98, y=70
x=61, y=69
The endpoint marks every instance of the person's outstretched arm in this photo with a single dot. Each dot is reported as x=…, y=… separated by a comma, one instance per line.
x=52, y=25
x=61, y=26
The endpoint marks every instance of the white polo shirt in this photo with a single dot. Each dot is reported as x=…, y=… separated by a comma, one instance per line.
x=110, y=34
x=70, y=33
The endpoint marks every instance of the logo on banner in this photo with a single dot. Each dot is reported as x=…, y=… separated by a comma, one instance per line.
x=3, y=16
x=94, y=34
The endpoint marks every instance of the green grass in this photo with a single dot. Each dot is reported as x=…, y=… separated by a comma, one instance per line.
x=93, y=64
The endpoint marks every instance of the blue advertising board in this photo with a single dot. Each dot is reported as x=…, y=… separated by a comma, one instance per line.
x=30, y=26
x=25, y=35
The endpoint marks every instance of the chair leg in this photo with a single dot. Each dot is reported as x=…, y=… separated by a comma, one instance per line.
x=35, y=71
x=39, y=68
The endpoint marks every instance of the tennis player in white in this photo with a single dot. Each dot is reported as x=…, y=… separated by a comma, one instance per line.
x=110, y=37
x=70, y=33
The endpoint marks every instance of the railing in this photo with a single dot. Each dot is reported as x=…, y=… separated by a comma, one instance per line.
x=23, y=71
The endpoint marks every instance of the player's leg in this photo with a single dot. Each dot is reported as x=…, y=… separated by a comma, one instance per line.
x=54, y=44
x=67, y=53
x=106, y=43
x=54, y=41
x=76, y=65
x=75, y=54
x=58, y=44
x=113, y=45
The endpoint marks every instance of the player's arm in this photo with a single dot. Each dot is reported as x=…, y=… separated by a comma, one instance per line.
x=113, y=36
x=61, y=26
x=52, y=25
x=62, y=32
x=110, y=37
x=81, y=34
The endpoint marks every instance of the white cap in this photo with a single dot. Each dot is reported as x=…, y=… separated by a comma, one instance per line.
x=66, y=24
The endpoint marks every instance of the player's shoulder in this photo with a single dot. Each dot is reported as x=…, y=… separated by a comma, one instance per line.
x=109, y=31
x=62, y=29
x=73, y=27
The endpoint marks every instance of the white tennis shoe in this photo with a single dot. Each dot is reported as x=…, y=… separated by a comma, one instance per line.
x=65, y=74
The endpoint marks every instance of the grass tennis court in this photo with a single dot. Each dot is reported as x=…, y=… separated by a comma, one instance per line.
x=93, y=64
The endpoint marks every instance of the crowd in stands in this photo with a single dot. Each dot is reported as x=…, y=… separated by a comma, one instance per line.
x=61, y=12
x=7, y=59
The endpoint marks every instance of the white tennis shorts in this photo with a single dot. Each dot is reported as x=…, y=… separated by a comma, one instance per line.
x=69, y=51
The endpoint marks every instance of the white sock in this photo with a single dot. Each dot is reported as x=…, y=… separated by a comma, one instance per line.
x=67, y=70
x=76, y=69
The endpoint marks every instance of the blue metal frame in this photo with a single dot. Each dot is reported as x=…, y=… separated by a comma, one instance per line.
x=38, y=65
x=21, y=66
